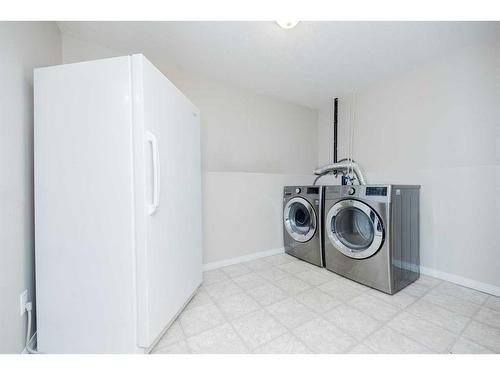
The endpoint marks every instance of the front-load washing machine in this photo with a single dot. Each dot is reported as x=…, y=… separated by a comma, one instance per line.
x=301, y=222
x=371, y=234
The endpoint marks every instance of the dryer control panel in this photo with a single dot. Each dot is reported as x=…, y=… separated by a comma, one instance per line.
x=378, y=193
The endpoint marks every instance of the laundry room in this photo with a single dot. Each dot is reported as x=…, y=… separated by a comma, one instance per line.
x=233, y=186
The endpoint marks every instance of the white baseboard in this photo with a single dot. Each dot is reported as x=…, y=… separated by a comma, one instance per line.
x=463, y=281
x=244, y=258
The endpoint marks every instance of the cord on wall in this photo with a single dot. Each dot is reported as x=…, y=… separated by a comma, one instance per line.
x=28, y=307
x=352, y=122
x=335, y=128
x=29, y=338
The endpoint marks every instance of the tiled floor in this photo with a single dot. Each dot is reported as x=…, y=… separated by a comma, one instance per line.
x=279, y=304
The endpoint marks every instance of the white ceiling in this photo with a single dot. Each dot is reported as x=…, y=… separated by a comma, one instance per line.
x=307, y=64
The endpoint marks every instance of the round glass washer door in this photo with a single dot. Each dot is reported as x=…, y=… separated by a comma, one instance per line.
x=300, y=219
x=354, y=229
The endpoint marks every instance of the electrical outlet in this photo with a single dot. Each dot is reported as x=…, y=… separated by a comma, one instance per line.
x=23, y=299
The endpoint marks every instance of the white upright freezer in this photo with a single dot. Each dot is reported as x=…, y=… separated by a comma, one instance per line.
x=117, y=205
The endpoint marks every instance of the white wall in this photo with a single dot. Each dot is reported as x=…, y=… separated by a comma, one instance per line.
x=439, y=126
x=243, y=212
x=75, y=50
x=252, y=145
x=23, y=46
x=246, y=132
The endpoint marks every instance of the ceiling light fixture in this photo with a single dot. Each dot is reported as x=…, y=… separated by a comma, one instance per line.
x=287, y=24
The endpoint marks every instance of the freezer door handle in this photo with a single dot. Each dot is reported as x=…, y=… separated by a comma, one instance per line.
x=152, y=207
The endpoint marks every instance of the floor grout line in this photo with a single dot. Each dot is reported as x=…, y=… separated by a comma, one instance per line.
x=460, y=335
x=344, y=282
x=322, y=315
x=288, y=296
x=262, y=308
x=235, y=330
x=385, y=324
x=230, y=322
x=417, y=299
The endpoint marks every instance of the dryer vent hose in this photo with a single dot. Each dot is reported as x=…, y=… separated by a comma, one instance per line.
x=343, y=165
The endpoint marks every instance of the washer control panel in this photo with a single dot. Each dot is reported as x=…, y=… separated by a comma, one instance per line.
x=302, y=191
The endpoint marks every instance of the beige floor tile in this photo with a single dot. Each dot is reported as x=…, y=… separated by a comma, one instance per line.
x=286, y=344
x=355, y=284
x=292, y=285
x=330, y=274
x=219, y=340
x=290, y=313
x=465, y=346
x=399, y=300
x=461, y=292
x=199, y=319
x=257, y=265
x=174, y=334
x=267, y=294
x=339, y=291
x=296, y=267
x=416, y=290
x=236, y=270
x=352, y=321
x=374, y=307
x=272, y=274
x=249, y=281
x=223, y=289
x=322, y=336
x=317, y=300
x=223, y=318
x=451, y=302
x=258, y=328
x=213, y=276
x=388, y=341
x=180, y=347
x=488, y=316
x=493, y=303
x=312, y=277
x=438, y=315
x=201, y=298
x=279, y=259
x=484, y=335
x=361, y=349
x=237, y=305
x=428, y=281
x=432, y=336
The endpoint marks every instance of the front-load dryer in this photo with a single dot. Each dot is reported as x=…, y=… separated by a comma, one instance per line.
x=302, y=222
x=371, y=234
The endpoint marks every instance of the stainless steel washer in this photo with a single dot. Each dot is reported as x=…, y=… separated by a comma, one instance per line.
x=301, y=222
x=372, y=234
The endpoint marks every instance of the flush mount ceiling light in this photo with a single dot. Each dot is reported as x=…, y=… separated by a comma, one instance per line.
x=287, y=24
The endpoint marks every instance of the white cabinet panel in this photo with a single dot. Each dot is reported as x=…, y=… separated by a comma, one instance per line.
x=171, y=259
x=117, y=205
x=84, y=208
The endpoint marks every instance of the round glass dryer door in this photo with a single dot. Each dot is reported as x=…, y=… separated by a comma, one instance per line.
x=300, y=219
x=354, y=229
